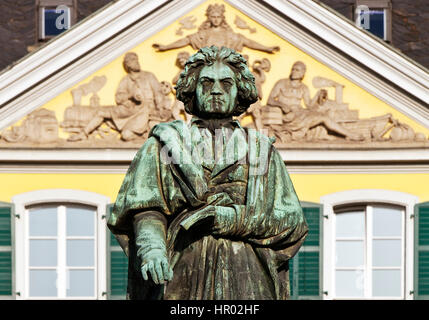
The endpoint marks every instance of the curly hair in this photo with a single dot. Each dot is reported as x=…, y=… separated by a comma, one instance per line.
x=245, y=81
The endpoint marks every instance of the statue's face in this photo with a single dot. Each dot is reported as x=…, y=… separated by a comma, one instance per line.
x=216, y=91
x=215, y=18
x=297, y=72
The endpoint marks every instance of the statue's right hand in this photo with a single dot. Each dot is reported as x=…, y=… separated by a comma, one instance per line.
x=156, y=264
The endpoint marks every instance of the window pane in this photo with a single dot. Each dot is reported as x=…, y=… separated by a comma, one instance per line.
x=387, y=221
x=43, y=253
x=43, y=283
x=80, y=221
x=386, y=253
x=373, y=21
x=349, y=283
x=350, y=224
x=349, y=253
x=80, y=253
x=81, y=283
x=56, y=23
x=43, y=221
x=376, y=23
x=386, y=283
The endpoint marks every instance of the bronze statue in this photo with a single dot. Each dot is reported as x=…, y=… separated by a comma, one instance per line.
x=207, y=210
x=138, y=95
x=215, y=31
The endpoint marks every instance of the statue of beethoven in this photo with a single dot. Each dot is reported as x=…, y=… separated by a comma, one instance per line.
x=207, y=210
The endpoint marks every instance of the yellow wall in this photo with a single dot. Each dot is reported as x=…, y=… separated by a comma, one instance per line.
x=309, y=187
x=15, y=183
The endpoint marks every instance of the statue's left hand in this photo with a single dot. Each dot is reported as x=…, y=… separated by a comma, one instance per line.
x=156, y=263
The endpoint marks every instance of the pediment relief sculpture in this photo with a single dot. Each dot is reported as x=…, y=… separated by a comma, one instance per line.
x=215, y=31
x=241, y=24
x=39, y=127
x=137, y=97
x=186, y=23
x=141, y=102
x=296, y=119
x=259, y=68
x=293, y=116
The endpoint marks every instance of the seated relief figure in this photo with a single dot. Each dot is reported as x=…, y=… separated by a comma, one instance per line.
x=138, y=96
x=215, y=31
x=207, y=210
x=288, y=94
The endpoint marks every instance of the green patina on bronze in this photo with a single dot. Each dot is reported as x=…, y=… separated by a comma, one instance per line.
x=207, y=210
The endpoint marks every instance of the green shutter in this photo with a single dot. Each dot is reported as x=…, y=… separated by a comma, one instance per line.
x=117, y=275
x=421, y=251
x=6, y=252
x=305, y=268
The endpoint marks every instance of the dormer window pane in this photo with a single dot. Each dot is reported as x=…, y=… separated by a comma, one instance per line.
x=376, y=22
x=375, y=16
x=55, y=20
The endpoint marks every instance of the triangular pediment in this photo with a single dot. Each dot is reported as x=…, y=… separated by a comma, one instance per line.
x=341, y=103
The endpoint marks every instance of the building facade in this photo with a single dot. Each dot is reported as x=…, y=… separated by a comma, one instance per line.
x=352, y=128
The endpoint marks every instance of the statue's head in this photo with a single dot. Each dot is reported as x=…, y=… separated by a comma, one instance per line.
x=216, y=83
x=131, y=62
x=298, y=71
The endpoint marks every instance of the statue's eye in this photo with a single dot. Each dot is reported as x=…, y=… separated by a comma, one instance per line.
x=227, y=84
x=206, y=83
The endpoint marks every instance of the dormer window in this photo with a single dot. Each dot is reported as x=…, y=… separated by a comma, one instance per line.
x=375, y=16
x=55, y=17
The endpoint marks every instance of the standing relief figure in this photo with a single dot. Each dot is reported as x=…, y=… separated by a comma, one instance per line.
x=259, y=68
x=207, y=210
x=215, y=31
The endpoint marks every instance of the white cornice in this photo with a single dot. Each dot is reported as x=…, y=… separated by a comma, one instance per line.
x=293, y=156
x=357, y=156
x=292, y=169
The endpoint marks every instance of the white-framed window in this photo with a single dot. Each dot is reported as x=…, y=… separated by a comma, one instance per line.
x=375, y=16
x=368, y=244
x=54, y=17
x=60, y=244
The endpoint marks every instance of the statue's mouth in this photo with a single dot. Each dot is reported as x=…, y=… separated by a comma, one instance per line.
x=217, y=101
x=217, y=104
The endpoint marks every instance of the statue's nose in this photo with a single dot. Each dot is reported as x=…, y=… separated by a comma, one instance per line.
x=216, y=89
